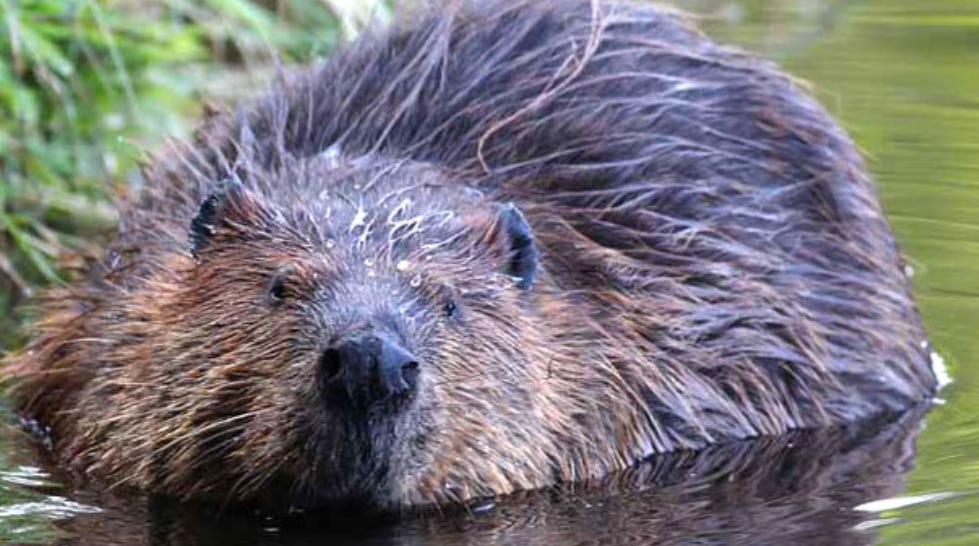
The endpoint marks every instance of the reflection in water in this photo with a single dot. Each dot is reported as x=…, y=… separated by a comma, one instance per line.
x=799, y=489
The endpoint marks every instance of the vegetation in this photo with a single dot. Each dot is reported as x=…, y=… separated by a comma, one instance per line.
x=87, y=85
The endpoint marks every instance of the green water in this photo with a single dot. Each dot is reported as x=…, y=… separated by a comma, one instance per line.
x=903, y=77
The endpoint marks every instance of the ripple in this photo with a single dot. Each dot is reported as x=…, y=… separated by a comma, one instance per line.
x=895, y=503
x=29, y=476
x=52, y=507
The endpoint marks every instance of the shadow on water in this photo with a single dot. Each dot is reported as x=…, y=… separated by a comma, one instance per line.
x=801, y=488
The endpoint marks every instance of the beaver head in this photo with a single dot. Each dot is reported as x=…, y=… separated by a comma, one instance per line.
x=359, y=332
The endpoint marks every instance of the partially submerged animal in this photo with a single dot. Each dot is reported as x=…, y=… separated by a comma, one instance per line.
x=494, y=248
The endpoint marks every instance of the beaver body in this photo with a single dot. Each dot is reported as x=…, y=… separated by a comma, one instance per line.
x=495, y=248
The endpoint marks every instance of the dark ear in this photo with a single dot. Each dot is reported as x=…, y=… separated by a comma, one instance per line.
x=523, y=253
x=227, y=201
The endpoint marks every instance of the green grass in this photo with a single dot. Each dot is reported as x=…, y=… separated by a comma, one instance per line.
x=87, y=86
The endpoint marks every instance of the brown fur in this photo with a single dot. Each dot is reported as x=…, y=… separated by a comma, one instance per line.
x=799, y=488
x=714, y=265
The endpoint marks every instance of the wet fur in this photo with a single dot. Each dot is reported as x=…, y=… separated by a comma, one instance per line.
x=714, y=265
x=800, y=487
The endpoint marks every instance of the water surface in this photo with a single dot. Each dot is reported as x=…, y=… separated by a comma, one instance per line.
x=903, y=77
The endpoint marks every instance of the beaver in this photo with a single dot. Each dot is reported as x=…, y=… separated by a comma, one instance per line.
x=498, y=246
x=800, y=488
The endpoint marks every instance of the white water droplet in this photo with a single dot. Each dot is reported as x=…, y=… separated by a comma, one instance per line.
x=403, y=265
x=940, y=370
x=360, y=219
x=369, y=262
x=416, y=281
x=485, y=507
x=330, y=243
x=331, y=155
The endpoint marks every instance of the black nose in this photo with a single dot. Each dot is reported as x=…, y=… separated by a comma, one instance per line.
x=366, y=370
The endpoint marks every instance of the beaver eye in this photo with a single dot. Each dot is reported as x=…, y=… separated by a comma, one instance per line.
x=451, y=309
x=277, y=289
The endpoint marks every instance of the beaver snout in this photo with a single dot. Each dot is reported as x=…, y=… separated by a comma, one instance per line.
x=367, y=370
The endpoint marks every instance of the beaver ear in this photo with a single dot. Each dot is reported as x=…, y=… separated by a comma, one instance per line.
x=523, y=253
x=228, y=202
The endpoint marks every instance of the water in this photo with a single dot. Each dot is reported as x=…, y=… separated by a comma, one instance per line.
x=903, y=76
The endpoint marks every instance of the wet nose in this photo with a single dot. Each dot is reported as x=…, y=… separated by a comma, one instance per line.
x=366, y=370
